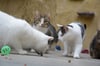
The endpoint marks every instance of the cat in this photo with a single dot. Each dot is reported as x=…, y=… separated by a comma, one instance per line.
x=42, y=23
x=72, y=37
x=95, y=46
x=20, y=35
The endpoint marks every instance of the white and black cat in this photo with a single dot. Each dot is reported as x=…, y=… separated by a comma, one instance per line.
x=18, y=34
x=42, y=23
x=72, y=36
x=95, y=46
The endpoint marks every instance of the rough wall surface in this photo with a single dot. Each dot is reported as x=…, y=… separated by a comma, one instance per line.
x=61, y=11
x=26, y=9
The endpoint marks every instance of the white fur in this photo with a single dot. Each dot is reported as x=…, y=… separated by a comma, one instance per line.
x=72, y=40
x=19, y=34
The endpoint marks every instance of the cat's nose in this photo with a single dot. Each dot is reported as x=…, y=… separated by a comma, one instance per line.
x=42, y=25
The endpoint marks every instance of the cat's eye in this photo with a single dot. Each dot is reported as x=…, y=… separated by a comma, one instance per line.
x=36, y=22
x=46, y=22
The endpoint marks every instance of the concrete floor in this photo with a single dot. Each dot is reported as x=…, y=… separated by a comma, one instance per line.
x=54, y=58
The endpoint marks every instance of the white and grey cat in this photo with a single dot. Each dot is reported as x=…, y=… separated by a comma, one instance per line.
x=42, y=23
x=72, y=37
x=18, y=34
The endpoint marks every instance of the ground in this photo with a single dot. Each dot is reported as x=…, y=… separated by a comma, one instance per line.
x=54, y=58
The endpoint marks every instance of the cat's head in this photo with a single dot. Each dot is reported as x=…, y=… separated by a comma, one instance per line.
x=41, y=20
x=44, y=45
x=62, y=29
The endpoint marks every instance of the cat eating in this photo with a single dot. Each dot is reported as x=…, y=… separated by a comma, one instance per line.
x=20, y=35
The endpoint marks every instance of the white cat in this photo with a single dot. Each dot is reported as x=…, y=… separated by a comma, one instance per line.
x=18, y=34
x=72, y=36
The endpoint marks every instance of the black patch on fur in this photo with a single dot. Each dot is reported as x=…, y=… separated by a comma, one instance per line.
x=70, y=26
x=63, y=30
x=83, y=27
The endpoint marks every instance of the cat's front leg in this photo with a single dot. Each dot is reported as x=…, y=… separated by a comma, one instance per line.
x=20, y=51
x=77, y=51
x=18, y=47
x=65, y=49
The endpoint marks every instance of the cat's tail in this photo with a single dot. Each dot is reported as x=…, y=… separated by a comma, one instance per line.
x=85, y=26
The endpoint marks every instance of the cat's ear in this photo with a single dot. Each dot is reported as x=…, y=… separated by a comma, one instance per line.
x=48, y=15
x=37, y=14
x=59, y=25
x=63, y=28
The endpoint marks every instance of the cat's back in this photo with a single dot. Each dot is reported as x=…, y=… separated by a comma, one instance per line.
x=11, y=26
x=5, y=18
x=8, y=21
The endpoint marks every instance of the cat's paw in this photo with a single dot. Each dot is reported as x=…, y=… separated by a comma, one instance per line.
x=22, y=52
x=76, y=57
x=64, y=54
x=32, y=50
